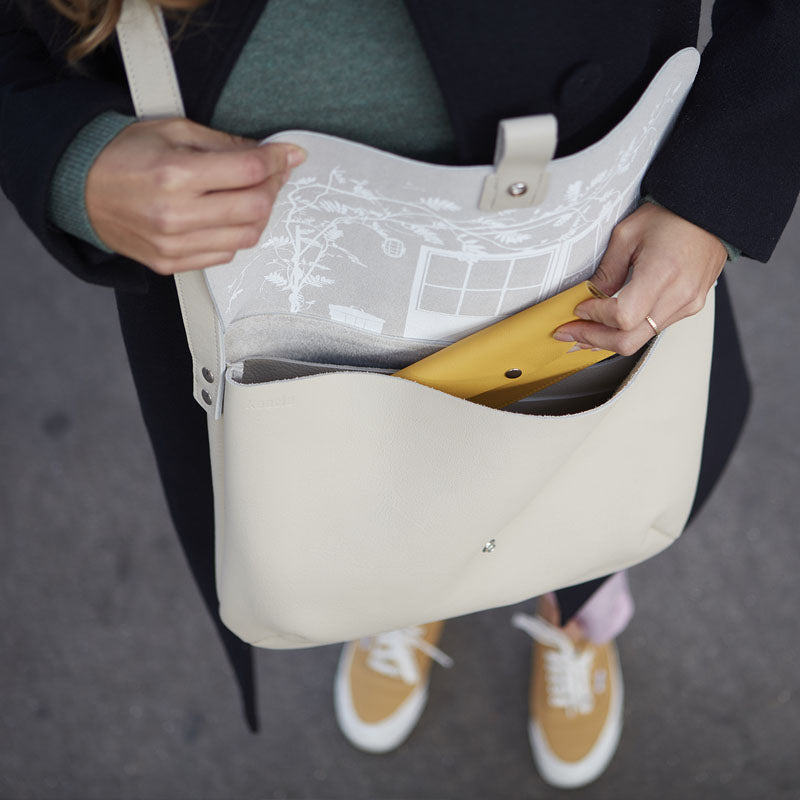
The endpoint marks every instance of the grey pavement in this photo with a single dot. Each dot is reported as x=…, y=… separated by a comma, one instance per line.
x=113, y=685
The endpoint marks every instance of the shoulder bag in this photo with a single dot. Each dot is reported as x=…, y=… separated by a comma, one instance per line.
x=350, y=500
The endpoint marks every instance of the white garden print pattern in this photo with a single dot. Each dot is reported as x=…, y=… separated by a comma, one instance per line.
x=406, y=253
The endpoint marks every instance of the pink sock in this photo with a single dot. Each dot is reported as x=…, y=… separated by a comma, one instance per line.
x=608, y=611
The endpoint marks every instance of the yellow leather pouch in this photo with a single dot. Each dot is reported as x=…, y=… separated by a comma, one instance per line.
x=513, y=358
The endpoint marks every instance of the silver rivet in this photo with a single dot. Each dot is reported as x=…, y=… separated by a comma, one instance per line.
x=516, y=189
x=513, y=373
x=208, y=375
x=489, y=546
x=206, y=397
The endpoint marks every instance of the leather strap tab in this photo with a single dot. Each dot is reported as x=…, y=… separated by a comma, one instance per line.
x=525, y=147
x=205, y=338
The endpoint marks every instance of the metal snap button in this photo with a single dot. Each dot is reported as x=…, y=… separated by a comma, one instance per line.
x=206, y=397
x=513, y=373
x=517, y=189
x=208, y=375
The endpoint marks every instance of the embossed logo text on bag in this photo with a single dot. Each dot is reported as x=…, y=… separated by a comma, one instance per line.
x=268, y=404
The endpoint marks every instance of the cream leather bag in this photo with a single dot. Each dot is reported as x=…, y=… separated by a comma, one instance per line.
x=351, y=502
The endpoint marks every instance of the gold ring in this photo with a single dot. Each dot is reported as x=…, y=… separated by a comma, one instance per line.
x=652, y=323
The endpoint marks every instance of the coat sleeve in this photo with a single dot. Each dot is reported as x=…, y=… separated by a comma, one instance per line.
x=732, y=163
x=43, y=105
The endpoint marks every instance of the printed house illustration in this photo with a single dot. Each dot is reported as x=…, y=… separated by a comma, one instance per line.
x=481, y=288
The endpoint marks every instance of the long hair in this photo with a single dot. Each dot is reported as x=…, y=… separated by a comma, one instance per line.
x=95, y=20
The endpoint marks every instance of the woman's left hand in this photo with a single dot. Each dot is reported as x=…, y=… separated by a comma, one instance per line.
x=675, y=264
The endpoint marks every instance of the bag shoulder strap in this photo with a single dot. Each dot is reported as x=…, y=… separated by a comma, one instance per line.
x=154, y=88
x=142, y=36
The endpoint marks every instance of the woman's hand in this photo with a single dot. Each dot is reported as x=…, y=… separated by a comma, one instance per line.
x=675, y=264
x=175, y=195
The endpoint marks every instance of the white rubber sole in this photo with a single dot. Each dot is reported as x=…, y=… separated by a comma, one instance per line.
x=572, y=774
x=373, y=737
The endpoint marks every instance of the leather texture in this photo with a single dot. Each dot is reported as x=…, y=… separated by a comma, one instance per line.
x=356, y=503
x=349, y=503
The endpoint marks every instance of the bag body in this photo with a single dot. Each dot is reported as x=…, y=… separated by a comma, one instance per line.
x=351, y=502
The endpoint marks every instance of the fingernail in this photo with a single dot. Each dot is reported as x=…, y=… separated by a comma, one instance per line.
x=561, y=336
x=295, y=156
x=579, y=312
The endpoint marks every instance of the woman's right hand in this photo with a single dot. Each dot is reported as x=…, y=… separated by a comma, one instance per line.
x=176, y=195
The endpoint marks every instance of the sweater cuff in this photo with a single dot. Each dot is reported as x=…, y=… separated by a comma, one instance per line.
x=733, y=251
x=67, y=202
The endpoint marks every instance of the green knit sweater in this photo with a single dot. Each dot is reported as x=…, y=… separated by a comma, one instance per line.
x=291, y=74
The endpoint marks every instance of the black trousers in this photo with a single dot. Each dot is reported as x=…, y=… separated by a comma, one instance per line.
x=154, y=338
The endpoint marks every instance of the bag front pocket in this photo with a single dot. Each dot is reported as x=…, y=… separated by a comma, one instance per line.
x=356, y=502
x=581, y=391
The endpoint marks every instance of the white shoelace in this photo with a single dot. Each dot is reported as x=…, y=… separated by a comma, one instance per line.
x=392, y=653
x=568, y=673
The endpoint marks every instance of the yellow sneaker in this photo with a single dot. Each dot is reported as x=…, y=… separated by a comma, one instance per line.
x=576, y=698
x=381, y=685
